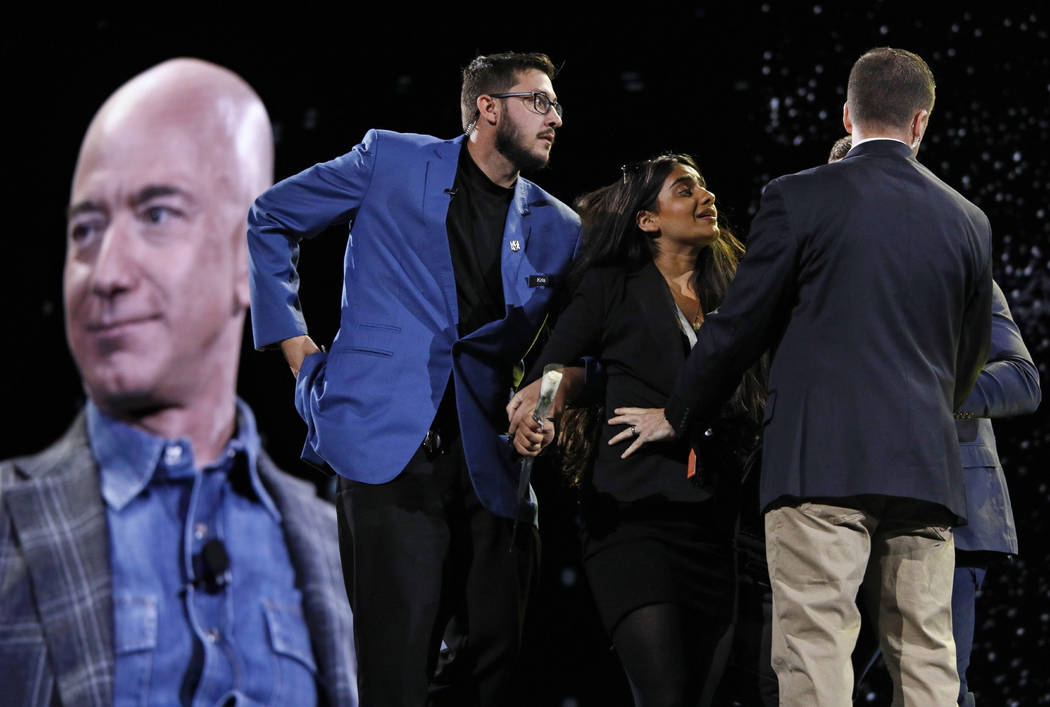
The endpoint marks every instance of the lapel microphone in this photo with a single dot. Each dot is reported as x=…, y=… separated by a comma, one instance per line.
x=212, y=567
x=216, y=562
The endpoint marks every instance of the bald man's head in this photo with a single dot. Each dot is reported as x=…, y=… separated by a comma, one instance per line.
x=211, y=110
x=156, y=280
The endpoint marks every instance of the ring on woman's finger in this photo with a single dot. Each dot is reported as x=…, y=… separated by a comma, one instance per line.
x=634, y=431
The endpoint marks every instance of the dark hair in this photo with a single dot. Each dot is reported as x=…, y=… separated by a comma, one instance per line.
x=495, y=73
x=888, y=86
x=840, y=148
x=611, y=236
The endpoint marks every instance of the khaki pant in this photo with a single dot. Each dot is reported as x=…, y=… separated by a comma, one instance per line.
x=819, y=558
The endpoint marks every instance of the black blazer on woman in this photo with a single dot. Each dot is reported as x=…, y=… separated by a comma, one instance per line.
x=627, y=320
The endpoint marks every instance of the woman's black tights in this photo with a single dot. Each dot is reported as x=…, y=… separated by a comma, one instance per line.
x=673, y=657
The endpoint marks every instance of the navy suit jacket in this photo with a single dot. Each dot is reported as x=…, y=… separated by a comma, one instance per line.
x=870, y=278
x=369, y=402
x=56, y=590
x=1008, y=385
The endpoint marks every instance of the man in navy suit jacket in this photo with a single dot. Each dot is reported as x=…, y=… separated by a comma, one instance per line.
x=1008, y=386
x=870, y=279
x=447, y=281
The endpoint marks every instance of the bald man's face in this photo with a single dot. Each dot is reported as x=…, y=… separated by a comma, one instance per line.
x=154, y=288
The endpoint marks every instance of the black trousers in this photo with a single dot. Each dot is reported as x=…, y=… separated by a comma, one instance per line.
x=425, y=563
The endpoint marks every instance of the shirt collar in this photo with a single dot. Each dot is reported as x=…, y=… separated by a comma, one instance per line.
x=869, y=139
x=129, y=458
x=475, y=176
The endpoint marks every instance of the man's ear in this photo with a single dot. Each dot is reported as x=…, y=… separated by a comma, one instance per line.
x=488, y=109
x=918, y=124
x=648, y=221
x=847, y=122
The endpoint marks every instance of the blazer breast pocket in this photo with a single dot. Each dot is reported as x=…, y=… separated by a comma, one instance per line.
x=537, y=293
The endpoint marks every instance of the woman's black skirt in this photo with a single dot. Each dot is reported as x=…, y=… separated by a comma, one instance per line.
x=651, y=551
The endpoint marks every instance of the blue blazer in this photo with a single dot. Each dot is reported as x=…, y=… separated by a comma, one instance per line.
x=1008, y=385
x=370, y=400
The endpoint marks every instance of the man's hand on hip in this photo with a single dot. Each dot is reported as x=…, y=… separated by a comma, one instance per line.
x=296, y=349
x=645, y=425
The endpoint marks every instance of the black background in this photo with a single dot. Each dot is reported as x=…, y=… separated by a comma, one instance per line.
x=752, y=90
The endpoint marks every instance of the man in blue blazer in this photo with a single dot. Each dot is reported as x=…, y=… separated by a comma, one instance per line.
x=448, y=278
x=870, y=280
x=1008, y=386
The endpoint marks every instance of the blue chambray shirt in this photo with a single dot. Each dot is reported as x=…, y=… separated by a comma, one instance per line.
x=177, y=643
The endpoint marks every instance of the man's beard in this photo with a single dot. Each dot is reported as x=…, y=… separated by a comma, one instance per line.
x=508, y=144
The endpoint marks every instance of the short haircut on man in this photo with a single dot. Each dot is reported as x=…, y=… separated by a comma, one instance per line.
x=495, y=73
x=888, y=86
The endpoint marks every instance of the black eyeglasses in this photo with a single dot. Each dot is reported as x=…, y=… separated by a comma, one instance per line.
x=541, y=102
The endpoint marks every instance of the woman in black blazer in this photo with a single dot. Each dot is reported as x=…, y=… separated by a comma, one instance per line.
x=657, y=548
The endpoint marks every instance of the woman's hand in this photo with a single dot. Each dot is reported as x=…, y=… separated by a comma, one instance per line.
x=645, y=425
x=525, y=432
x=529, y=437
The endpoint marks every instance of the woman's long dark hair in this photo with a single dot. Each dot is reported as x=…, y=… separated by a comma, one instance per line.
x=611, y=237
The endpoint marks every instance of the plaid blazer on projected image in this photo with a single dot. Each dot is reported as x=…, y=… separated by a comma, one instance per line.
x=56, y=596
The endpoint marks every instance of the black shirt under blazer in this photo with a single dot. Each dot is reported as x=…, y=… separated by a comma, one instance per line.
x=870, y=279
x=626, y=319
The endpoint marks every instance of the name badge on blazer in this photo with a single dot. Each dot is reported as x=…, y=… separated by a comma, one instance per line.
x=539, y=280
